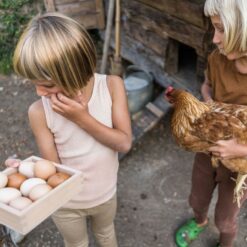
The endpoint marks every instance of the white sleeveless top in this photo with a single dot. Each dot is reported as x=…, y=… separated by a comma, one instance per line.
x=78, y=150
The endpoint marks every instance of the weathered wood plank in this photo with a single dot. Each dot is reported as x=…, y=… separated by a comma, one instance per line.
x=163, y=24
x=190, y=11
x=89, y=21
x=59, y=2
x=77, y=8
x=147, y=37
x=88, y=12
x=141, y=55
x=144, y=39
x=146, y=59
x=172, y=57
x=99, y=7
x=49, y=5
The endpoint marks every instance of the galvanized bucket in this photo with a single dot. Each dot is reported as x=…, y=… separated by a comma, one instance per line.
x=139, y=87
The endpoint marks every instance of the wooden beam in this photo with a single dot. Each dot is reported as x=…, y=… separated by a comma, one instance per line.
x=50, y=5
x=172, y=57
x=99, y=7
x=189, y=11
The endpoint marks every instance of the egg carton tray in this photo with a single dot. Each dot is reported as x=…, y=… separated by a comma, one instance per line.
x=27, y=219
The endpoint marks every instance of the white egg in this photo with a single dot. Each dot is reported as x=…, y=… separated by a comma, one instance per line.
x=28, y=184
x=8, y=194
x=20, y=203
x=39, y=191
x=27, y=168
x=3, y=179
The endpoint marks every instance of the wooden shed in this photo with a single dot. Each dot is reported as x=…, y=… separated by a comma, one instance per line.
x=170, y=38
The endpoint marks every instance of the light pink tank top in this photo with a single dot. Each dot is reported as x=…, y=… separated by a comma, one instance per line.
x=78, y=150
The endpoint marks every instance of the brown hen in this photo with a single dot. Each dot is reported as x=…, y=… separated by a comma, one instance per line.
x=197, y=125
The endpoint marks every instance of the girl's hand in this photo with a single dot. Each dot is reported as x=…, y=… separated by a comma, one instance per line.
x=11, y=162
x=76, y=110
x=228, y=149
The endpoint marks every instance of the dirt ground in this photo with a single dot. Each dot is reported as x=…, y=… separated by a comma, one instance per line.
x=153, y=185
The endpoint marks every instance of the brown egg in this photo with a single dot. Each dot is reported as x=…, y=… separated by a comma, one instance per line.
x=57, y=179
x=44, y=169
x=15, y=180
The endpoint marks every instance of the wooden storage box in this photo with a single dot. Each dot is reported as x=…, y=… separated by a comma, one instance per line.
x=24, y=221
x=89, y=13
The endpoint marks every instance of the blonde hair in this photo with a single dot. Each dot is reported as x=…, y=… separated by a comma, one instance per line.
x=56, y=47
x=233, y=15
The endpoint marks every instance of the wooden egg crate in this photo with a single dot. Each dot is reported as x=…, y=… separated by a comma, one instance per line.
x=27, y=219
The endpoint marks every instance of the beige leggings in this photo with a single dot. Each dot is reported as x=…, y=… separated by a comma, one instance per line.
x=72, y=224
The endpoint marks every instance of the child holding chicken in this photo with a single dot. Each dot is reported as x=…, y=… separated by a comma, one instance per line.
x=225, y=81
x=81, y=121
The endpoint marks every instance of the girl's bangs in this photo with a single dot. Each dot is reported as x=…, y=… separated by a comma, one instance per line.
x=27, y=62
x=211, y=8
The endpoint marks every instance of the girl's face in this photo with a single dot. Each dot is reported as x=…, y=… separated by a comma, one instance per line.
x=218, y=33
x=46, y=88
x=218, y=39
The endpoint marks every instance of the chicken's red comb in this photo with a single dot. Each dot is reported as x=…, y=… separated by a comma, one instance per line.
x=169, y=89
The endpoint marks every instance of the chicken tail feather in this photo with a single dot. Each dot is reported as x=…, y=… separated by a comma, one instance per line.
x=215, y=162
x=239, y=189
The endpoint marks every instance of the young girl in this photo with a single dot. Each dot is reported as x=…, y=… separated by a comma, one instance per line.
x=226, y=81
x=81, y=120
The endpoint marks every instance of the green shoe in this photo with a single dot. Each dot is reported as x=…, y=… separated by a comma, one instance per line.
x=187, y=233
x=218, y=245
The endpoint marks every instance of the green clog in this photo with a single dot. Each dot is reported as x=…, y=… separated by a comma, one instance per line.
x=187, y=233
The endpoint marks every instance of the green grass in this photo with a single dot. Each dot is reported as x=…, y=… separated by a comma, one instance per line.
x=14, y=15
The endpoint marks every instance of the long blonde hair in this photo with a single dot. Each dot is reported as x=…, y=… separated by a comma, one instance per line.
x=56, y=47
x=233, y=15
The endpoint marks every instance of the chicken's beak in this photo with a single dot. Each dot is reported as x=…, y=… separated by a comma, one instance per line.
x=168, y=98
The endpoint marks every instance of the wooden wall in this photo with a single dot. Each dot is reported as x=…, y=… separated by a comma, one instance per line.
x=88, y=12
x=153, y=29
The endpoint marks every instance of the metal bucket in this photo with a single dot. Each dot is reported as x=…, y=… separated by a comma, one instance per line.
x=139, y=87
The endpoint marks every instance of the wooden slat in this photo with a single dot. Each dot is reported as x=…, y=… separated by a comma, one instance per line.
x=147, y=37
x=155, y=110
x=189, y=11
x=88, y=12
x=89, y=21
x=145, y=58
x=60, y=2
x=172, y=57
x=77, y=8
x=49, y=5
x=100, y=16
x=163, y=24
